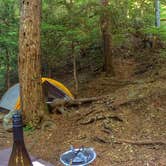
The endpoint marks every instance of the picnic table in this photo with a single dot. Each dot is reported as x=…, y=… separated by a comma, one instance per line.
x=5, y=154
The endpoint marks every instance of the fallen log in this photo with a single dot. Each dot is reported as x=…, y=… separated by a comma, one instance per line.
x=127, y=95
x=73, y=102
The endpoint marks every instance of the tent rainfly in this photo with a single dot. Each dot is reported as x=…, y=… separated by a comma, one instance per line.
x=52, y=89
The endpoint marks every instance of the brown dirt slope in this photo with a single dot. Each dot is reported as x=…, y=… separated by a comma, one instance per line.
x=127, y=127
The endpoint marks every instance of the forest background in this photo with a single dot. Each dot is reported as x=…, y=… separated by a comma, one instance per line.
x=67, y=23
x=125, y=118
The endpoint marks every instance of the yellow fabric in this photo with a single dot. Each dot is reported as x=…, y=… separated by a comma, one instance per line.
x=17, y=106
x=59, y=85
x=54, y=82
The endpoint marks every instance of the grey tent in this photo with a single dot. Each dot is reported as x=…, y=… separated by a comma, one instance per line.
x=11, y=99
x=52, y=90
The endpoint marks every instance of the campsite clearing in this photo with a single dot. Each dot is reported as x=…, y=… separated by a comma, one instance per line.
x=129, y=130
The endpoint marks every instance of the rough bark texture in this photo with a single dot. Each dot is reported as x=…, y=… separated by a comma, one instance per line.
x=75, y=74
x=29, y=62
x=107, y=41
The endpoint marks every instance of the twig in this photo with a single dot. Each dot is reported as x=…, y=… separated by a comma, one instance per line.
x=124, y=141
x=143, y=142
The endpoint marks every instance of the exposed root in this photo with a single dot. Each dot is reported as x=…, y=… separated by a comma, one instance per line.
x=143, y=142
x=132, y=142
x=101, y=117
x=48, y=125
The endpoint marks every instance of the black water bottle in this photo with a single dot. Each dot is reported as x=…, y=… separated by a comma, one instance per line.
x=19, y=155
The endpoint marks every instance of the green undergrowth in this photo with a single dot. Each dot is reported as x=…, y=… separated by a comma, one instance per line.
x=28, y=128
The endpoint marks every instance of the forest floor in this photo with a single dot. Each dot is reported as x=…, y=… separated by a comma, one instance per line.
x=126, y=127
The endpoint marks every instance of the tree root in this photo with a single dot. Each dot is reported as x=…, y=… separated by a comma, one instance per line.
x=101, y=140
x=143, y=142
x=101, y=117
x=48, y=125
x=132, y=142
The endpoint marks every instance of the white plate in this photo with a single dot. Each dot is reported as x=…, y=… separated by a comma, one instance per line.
x=36, y=163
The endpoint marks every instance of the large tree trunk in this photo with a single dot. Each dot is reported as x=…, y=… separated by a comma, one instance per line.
x=107, y=40
x=29, y=62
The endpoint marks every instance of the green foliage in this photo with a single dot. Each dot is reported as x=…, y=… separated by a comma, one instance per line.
x=8, y=37
x=65, y=22
x=72, y=23
x=28, y=128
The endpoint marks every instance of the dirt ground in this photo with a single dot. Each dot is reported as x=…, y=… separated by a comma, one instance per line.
x=127, y=127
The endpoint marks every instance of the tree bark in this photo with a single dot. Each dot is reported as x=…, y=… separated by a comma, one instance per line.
x=157, y=13
x=75, y=74
x=107, y=40
x=32, y=100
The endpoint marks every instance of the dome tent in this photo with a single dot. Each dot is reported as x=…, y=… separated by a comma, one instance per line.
x=52, y=89
x=9, y=99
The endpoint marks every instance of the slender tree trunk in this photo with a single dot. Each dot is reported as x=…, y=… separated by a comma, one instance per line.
x=32, y=99
x=69, y=5
x=75, y=68
x=107, y=40
x=157, y=13
x=7, y=69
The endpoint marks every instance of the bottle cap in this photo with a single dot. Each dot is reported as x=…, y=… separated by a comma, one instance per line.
x=17, y=120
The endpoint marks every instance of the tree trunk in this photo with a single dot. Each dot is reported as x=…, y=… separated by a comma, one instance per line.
x=75, y=68
x=107, y=41
x=32, y=99
x=157, y=13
